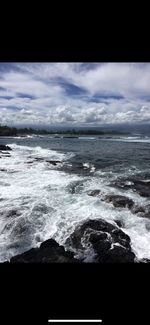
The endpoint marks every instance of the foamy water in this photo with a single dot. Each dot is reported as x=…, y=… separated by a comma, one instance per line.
x=36, y=201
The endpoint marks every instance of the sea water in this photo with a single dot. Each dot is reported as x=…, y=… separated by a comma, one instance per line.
x=41, y=199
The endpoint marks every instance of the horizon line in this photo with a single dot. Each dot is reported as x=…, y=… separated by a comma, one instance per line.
x=75, y=320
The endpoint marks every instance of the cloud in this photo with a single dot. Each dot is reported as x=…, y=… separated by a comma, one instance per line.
x=74, y=93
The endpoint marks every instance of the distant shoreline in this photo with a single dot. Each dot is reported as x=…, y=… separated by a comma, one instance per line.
x=9, y=131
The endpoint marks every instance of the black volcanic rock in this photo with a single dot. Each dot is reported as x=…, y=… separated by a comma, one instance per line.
x=143, y=212
x=118, y=255
x=53, y=162
x=139, y=186
x=119, y=223
x=49, y=252
x=142, y=188
x=110, y=243
x=94, y=193
x=119, y=201
x=74, y=167
x=5, y=153
x=3, y=147
x=138, y=209
x=144, y=260
x=12, y=214
x=49, y=243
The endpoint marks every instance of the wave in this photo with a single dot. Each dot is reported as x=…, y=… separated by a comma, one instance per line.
x=129, y=139
x=40, y=201
x=87, y=138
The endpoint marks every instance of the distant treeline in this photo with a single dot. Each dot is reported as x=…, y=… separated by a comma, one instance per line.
x=7, y=131
x=12, y=131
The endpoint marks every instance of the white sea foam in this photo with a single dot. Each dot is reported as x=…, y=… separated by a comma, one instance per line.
x=38, y=192
x=129, y=139
x=87, y=138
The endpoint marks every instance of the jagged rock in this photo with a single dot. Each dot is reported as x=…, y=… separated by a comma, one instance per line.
x=49, y=243
x=49, y=252
x=74, y=167
x=140, y=186
x=4, y=148
x=143, y=212
x=137, y=209
x=146, y=215
x=118, y=236
x=119, y=201
x=53, y=162
x=94, y=193
x=12, y=213
x=118, y=255
x=119, y=223
x=5, y=153
x=109, y=242
x=123, y=184
x=144, y=260
x=143, y=188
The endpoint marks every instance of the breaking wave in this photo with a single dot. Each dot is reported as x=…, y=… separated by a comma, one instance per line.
x=39, y=199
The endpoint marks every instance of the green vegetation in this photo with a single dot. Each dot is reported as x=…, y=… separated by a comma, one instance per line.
x=7, y=131
x=11, y=131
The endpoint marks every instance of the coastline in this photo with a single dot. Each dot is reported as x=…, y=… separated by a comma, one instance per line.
x=100, y=245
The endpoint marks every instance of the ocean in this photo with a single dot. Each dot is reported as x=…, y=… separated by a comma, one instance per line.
x=46, y=181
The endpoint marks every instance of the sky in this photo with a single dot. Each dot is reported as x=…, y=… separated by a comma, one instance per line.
x=74, y=94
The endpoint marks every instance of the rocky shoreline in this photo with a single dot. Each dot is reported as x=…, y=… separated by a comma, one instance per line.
x=105, y=242
x=108, y=243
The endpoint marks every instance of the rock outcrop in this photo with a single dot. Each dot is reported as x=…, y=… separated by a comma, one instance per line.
x=94, y=193
x=4, y=148
x=54, y=162
x=119, y=201
x=48, y=252
x=110, y=243
x=140, y=186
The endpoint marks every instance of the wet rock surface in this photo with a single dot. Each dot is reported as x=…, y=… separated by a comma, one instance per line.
x=12, y=213
x=54, y=162
x=119, y=223
x=5, y=153
x=138, y=209
x=110, y=243
x=142, y=211
x=74, y=168
x=140, y=186
x=49, y=252
x=143, y=188
x=94, y=193
x=119, y=201
x=4, y=148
